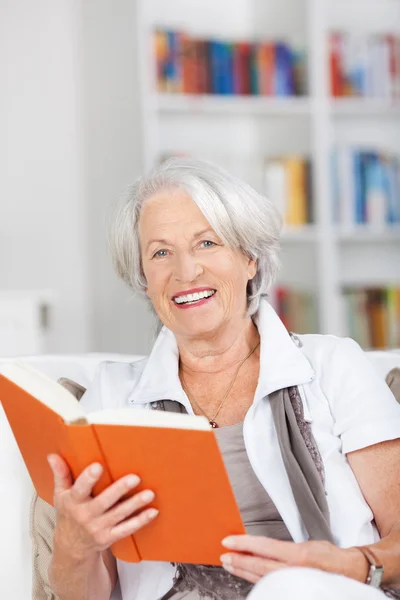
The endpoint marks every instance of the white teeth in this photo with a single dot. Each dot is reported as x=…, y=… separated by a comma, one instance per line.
x=194, y=297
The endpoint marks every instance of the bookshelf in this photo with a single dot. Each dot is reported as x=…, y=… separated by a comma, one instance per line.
x=242, y=132
x=256, y=105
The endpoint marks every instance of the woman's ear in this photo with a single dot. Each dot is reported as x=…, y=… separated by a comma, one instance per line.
x=251, y=268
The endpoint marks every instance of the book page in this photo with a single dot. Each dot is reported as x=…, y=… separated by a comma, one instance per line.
x=148, y=418
x=44, y=389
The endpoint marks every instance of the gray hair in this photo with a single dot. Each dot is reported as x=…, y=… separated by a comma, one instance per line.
x=239, y=215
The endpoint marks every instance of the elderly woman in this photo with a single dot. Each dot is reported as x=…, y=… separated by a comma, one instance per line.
x=308, y=432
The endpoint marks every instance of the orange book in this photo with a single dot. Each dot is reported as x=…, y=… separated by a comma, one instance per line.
x=266, y=67
x=296, y=173
x=175, y=455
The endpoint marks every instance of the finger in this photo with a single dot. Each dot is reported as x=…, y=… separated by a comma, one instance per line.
x=113, y=494
x=251, y=577
x=61, y=472
x=252, y=564
x=128, y=507
x=263, y=546
x=82, y=488
x=134, y=524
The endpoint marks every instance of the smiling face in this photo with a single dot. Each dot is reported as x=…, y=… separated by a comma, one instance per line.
x=195, y=282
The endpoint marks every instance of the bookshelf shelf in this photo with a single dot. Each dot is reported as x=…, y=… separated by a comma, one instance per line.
x=365, y=234
x=238, y=105
x=304, y=233
x=364, y=107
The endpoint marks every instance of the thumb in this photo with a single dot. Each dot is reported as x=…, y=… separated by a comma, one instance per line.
x=62, y=474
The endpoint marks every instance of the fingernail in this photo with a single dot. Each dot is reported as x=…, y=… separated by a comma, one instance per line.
x=50, y=460
x=226, y=559
x=147, y=496
x=132, y=480
x=228, y=542
x=152, y=513
x=96, y=469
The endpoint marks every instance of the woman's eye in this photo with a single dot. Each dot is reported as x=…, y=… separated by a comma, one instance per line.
x=160, y=253
x=207, y=244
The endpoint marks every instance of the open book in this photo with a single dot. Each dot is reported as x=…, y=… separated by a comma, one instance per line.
x=175, y=455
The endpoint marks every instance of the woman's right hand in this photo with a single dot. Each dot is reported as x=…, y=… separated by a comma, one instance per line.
x=87, y=525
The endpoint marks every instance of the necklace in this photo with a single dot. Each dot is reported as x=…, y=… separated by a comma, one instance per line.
x=191, y=398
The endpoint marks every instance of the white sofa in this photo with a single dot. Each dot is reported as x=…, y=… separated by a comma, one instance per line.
x=15, y=484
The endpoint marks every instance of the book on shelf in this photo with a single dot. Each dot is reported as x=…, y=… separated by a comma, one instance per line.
x=366, y=66
x=373, y=316
x=189, y=65
x=175, y=455
x=288, y=183
x=297, y=309
x=366, y=187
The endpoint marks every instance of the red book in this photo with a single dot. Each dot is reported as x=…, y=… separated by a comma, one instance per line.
x=391, y=42
x=336, y=71
x=282, y=306
x=243, y=53
x=202, y=69
x=188, y=64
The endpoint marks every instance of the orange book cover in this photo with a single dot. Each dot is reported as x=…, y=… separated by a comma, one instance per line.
x=182, y=465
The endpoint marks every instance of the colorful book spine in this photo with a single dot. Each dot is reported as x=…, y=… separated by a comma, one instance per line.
x=288, y=183
x=373, y=316
x=199, y=66
x=366, y=187
x=365, y=66
x=297, y=309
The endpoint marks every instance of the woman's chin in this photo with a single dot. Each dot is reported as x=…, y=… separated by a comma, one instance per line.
x=195, y=327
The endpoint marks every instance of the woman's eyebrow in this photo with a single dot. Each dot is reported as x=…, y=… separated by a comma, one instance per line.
x=203, y=231
x=166, y=242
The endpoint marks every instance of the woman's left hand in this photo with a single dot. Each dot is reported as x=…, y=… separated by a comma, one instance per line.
x=251, y=557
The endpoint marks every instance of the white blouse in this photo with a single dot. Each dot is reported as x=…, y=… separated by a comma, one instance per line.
x=347, y=403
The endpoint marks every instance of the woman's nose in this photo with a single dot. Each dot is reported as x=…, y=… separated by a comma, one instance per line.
x=187, y=268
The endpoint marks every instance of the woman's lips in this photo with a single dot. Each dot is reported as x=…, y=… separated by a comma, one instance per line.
x=194, y=303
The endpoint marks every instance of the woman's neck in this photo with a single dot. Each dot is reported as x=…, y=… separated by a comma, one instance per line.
x=219, y=352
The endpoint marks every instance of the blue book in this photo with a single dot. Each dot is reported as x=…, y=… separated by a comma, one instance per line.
x=218, y=60
x=284, y=81
x=226, y=66
x=171, y=65
x=375, y=192
x=254, y=76
x=359, y=187
x=391, y=183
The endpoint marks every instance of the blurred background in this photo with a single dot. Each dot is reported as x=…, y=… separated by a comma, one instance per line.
x=301, y=98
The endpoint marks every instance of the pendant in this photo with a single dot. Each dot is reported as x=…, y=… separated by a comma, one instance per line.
x=213, y=425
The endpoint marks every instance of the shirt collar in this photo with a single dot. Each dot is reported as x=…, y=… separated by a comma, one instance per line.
x=282, y=363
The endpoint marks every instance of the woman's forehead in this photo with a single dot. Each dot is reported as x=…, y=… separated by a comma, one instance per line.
x=171, y=209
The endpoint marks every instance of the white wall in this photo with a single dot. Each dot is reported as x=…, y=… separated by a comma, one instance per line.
x=42, y=227
x=69, y=142
x=113, y=159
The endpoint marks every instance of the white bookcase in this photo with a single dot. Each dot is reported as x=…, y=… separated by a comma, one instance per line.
x=240, y=132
